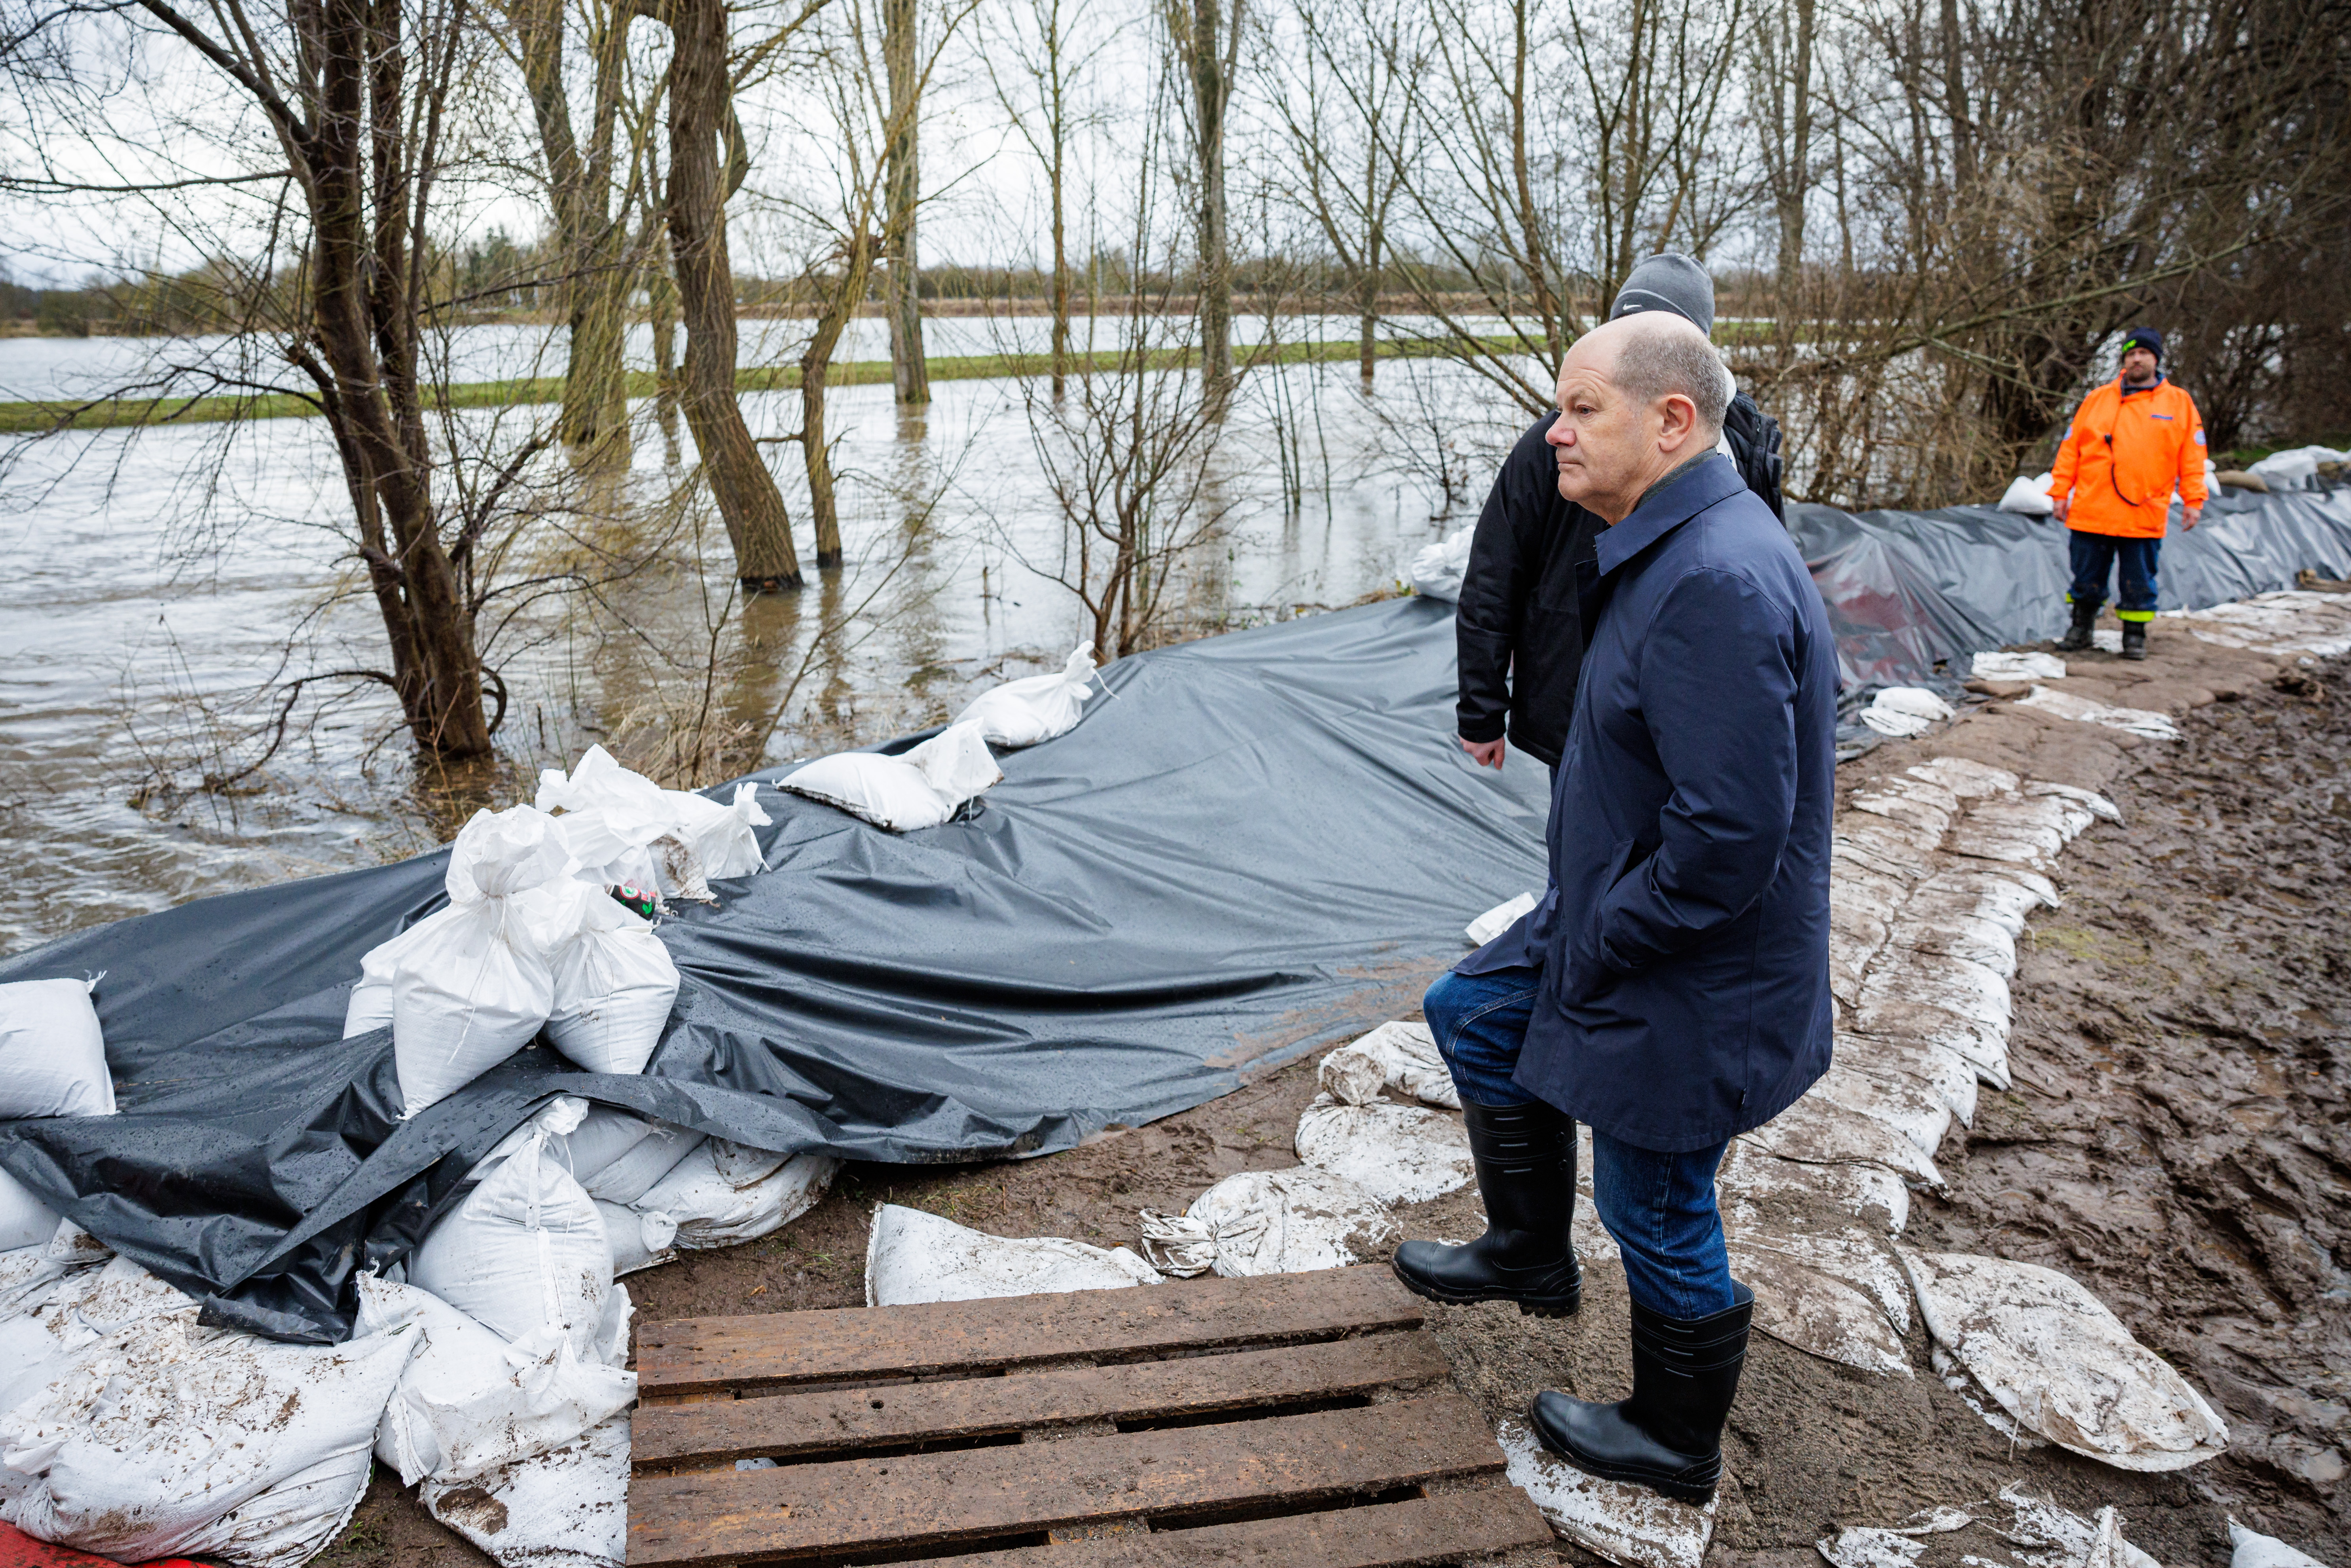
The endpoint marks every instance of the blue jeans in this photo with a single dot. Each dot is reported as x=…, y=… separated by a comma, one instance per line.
x=2096, y=556
x=1660, y=1207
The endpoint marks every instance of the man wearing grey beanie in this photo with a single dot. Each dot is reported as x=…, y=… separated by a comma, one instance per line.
x=1516, y=624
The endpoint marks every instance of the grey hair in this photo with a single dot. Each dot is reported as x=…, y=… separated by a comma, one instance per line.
x=1663, y=355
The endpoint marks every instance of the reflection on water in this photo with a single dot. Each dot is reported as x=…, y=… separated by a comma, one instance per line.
x=158, y=580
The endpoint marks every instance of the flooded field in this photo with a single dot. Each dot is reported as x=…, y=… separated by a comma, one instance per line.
x=159, y=580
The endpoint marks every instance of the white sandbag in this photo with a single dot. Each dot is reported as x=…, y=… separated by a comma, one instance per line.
x=567, y=1508
x=25, y=1219
x=1926, y=1068
x=2251, y=1548
x=72, y=1245
x=603, y=1135
x=1969, y=936
x=476, y=989
x=1965, y=989
x=719, y=832
x=2060, y=1364
x=1905, y=710
x=526, y=1250
x=2029, y=498
x=621, y=828
x=160, y=1439
x=722, y=1194
x=62, y=1306
x=468, y=1401
x=1983, y=1047
x=1911, y=1109
x=916, y=1256
x=1396, y=1055
x=1864, y=1262
x=52, y=1053
x=1818, y=1130
x=1870, y=1192
x=1620, y=1521
x=2083, y=710
x=639, y=1240
x=1270, y=1222
x=1398, y=1154
x=1922, y=802
x=1025, y=712
x=614, y=984
x=370, y=1007
x=2017, y=667
x=2297, y=466
x=632, y=1173
x=1437, y=570
x=1498, y=919
x=921, y=789
x=1965, y=776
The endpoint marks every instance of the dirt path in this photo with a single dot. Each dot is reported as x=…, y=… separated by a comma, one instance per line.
x=2177, y=1140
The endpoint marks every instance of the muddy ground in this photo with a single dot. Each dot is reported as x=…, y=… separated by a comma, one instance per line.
x=2177, y=1139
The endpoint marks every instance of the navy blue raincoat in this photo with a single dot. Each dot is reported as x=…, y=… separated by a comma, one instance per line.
x=1684, y=937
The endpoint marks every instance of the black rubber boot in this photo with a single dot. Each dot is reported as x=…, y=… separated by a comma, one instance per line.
x=1526, y=1173
x=2133, y=639
x=1669, y=1436
x=2078, y=636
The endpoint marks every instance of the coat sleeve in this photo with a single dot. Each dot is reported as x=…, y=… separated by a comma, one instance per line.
x=2191, y=457
x=1493, y=591
x=1718, y=688
x=2069, y=460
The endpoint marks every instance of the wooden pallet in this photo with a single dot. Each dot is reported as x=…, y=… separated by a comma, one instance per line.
x=1290, y=1421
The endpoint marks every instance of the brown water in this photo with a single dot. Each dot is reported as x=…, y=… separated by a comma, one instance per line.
x=157, y=581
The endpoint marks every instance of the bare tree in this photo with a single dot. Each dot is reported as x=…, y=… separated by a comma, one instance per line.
x=901, y=45
x=1043, y=44
x=1206, y=41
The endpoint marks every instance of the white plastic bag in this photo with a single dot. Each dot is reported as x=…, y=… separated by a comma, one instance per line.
x=719, y=832
x=2018, y=667
x=922, y=788
x=1904, y=711
x=722, y=1194
x=468, y=1401
x=25, y=1219
x=475, y=990
x=1436, y=571
x=621, y=828
x=631, y=1174
x=916, y=1256
x=52, y=1053
x=159, y=1439
x=526, y=1250
x=613, y=984
x=1498, y=919
x=1025, y=712
x=567, y=1508
x=1270, y=1222
x=2029, y=498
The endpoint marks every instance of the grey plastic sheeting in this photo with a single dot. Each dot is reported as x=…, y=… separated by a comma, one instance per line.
x=1256, y=843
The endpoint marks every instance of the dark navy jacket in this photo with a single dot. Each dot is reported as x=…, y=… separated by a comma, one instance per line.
x=1684, y=938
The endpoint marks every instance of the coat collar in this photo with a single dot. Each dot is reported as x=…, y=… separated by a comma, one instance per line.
x=1712, y=479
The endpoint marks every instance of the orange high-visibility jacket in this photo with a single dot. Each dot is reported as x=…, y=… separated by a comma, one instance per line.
x=2124, y=454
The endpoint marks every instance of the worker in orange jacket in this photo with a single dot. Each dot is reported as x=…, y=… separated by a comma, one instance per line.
x=2133, y=441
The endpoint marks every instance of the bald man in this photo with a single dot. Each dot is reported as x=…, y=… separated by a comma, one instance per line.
x=1671, y=990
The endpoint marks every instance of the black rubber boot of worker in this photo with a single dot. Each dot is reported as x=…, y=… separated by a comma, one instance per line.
x=1669, y=1436
x=1525, y=1160
x=2078, y=635
x=2133, y=639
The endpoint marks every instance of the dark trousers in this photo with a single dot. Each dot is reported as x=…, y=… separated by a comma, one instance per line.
x=2096, y=556
x=1660, y=1207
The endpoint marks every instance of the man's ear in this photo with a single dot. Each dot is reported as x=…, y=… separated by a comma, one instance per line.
x=1680, y=419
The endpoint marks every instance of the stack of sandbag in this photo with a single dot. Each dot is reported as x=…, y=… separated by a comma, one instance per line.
x=921, y=788
x=614, y=981
x=623, y=829
x=1025, y=712
x=52, y=1064
x=1397, y=1154
x=137, y=1435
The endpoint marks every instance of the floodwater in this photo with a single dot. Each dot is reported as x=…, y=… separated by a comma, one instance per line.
x=159, y=580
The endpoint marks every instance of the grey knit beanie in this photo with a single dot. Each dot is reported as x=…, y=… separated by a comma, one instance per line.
x=1668, y=281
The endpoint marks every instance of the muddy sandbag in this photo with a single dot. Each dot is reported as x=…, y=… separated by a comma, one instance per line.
x=916, y=1256
x=567, y=1508
x=1750, y=1177
x=468, y=1401
x=2135, y=721
x=1396, y=1055
x=1904, y=711
x=1624, y=1523
x=57, y=1305
x=1913, y=1064
x=920, y=788
x=2062, y=1365
x=526, y=1250
x=1398, y=1154
x=1991, y=667
x=1864, y=1262
x=25, y=1219
x=1818, y=1130
x=723, y=1193
x=1037, y=709
x=1888, y=1014
x=477, y=989
x=1270, y=1222
x=1818, y=1314
x=52, y=1052
x=1922, y=803
x=613, y=984
x=1912, y=1109
x=159, y=1438
x=2251, y=1548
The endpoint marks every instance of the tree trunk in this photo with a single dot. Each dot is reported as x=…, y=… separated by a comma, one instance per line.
x=1060, y=263
x=816, y=368
x=1795, y=178
x=1205, y=52
x=661, y=309
x=910, y=372
x=753, y=508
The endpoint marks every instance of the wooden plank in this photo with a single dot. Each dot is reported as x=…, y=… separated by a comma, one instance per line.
x=790, y=1424
x=846, y=1344
x=966, y=1494
x=1426, y=1530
